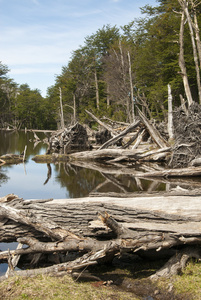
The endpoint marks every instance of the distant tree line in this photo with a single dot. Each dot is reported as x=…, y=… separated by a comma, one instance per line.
x=118, y=70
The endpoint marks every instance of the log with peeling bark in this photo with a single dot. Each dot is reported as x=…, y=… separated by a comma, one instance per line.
x=128, y=224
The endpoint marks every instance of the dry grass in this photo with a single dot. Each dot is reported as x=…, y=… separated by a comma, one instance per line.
x=128, y=284
x=46, y=287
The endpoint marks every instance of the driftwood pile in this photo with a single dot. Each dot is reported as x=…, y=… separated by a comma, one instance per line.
x=187, y=135
x=137, y=143
x=68, y=235
x=69, y=139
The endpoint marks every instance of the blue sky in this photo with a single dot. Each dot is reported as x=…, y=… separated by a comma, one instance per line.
x=37, y=37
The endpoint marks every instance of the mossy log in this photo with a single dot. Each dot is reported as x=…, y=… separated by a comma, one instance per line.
x=12, y=158
x=51, y=158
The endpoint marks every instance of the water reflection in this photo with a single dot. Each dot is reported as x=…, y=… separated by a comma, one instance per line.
x=63, y=180
x=33, y=180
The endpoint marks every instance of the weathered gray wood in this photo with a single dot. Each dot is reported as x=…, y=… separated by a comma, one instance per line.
x=130, y=128
x=113, y=133
x=109, y=154
x=180, y=172
x=153, y=132
x=27, y=218
x=144, y=223
x=178, y=214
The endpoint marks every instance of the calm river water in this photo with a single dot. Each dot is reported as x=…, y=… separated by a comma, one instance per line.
x=30, y=181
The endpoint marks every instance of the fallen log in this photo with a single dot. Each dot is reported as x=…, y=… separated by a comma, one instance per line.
x=109, y=154
x=179, y=229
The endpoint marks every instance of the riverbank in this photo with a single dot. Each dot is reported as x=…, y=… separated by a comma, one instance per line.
x=115, y=284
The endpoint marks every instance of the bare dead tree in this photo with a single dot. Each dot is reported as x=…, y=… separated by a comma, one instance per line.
x=184, y=5
x=182, y=62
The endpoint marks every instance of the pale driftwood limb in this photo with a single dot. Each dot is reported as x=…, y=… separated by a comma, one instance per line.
x=183, y=104
x=177, y=263
x=111, y=154
x=115, y=122
x=123, y=133
x=8, y=198
x=183, y=172
x=79, y=263
x=182, y=64
x=196, y=162
x=170, y=117
x=36, y=137
x=132, y=139
x=113, y=133
x=13, y=261
x=24, y=153
x=138, y=140
x=154, y=153
x=153, y=132
x=2, y=162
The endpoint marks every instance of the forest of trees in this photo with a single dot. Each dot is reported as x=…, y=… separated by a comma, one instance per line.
x=116, y=71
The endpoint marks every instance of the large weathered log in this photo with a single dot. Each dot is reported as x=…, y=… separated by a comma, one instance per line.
x=157, y=223
x=178, y=214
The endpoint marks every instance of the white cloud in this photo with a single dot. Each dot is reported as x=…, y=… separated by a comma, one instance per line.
x=38, y=36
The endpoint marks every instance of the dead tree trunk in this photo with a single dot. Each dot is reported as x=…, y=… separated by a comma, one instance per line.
x=182, y=62
x=184, y=5
x=170, y=117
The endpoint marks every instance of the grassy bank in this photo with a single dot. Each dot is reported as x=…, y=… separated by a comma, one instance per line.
x=182, y=287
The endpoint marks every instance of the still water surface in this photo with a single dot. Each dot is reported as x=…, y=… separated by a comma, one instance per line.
x=29, y=180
